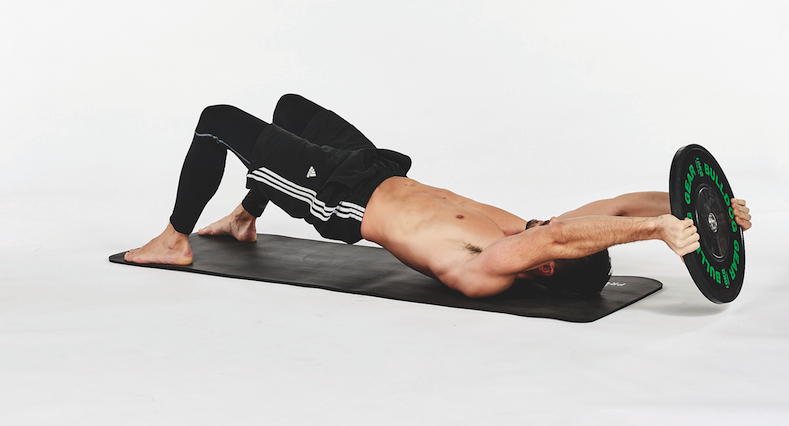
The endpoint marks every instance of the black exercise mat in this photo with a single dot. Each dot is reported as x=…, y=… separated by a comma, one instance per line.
x=375, y=272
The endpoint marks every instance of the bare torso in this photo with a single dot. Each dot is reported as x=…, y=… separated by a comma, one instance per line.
x=433, y=230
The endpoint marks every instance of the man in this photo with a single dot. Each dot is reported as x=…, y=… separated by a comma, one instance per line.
x=316, y=166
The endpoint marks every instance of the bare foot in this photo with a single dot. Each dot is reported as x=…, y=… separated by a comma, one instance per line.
x=239, y=224
x=169, y=248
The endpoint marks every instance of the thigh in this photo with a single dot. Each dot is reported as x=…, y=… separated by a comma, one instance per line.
x=317, y=124
x=294, y=112
x=231, y=129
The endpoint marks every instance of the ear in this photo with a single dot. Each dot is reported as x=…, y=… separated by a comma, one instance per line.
x=546, y=270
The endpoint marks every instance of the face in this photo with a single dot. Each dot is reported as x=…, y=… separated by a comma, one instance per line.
x=534, y=222
x=545, y=270
x=530, y=275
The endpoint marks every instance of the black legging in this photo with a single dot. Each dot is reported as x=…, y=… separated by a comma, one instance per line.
x=222, y=128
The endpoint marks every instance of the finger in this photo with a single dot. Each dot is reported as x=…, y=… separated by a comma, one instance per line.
x=690, y=248
x=742, y=215
x=738, y=201
x=743, y=219
x=744, y=224
x=740, y=207
x=690, y=240
x=688, y=233
x=686, y=244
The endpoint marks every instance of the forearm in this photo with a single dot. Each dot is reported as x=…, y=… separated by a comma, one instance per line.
x=586, y=235
x=579, y=237
x=566, y=239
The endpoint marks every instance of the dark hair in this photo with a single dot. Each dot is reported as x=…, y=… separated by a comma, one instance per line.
x=580, y=278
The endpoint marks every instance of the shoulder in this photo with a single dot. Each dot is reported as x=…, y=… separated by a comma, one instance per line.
x=493, y=270
x=459, y=262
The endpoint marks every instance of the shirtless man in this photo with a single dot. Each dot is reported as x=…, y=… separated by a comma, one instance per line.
x=349, y=190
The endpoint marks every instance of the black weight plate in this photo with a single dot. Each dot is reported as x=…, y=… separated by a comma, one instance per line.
x=698, y=189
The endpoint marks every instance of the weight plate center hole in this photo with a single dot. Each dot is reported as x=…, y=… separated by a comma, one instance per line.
x=713, y=222
x=710, y=207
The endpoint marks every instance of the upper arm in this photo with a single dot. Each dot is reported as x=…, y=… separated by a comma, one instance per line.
x=636, y=204
x=494, y=269
x=499, y=263
x=644, y=204
x=607, y=207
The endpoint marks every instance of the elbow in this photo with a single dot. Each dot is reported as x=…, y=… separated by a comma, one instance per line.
x=474, y=288
x=476, y=292
x=617, y=206
x=478, y=289
x=468, y=288
x=560, y=239
x=556, y=233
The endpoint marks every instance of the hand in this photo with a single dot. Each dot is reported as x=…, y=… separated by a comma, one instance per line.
x=741, y=215
x=681, y=235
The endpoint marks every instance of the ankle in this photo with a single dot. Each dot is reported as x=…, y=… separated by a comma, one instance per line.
x=241, y=215
x=174, y=237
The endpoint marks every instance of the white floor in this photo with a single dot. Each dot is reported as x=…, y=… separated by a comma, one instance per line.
x=536, y=107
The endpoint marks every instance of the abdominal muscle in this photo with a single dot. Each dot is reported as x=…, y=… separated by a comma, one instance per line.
x=429, y=229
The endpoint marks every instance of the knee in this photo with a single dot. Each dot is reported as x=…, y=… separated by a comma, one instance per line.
x=214, y=113
x=215, y=117
x=289, y=102
x=294, y=112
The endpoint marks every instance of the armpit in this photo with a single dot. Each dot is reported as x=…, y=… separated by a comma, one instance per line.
x=473, y=249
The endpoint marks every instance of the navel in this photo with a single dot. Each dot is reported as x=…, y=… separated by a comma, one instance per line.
x=460, y=216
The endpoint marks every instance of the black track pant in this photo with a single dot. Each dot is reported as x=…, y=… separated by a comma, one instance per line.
x=222, y=128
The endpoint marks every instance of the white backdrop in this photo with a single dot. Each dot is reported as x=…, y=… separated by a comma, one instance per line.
x=536, y=107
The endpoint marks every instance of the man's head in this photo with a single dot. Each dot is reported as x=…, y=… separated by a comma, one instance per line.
x=577, y=278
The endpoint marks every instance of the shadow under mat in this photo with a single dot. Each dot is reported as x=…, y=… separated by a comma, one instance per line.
x=374, y=271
